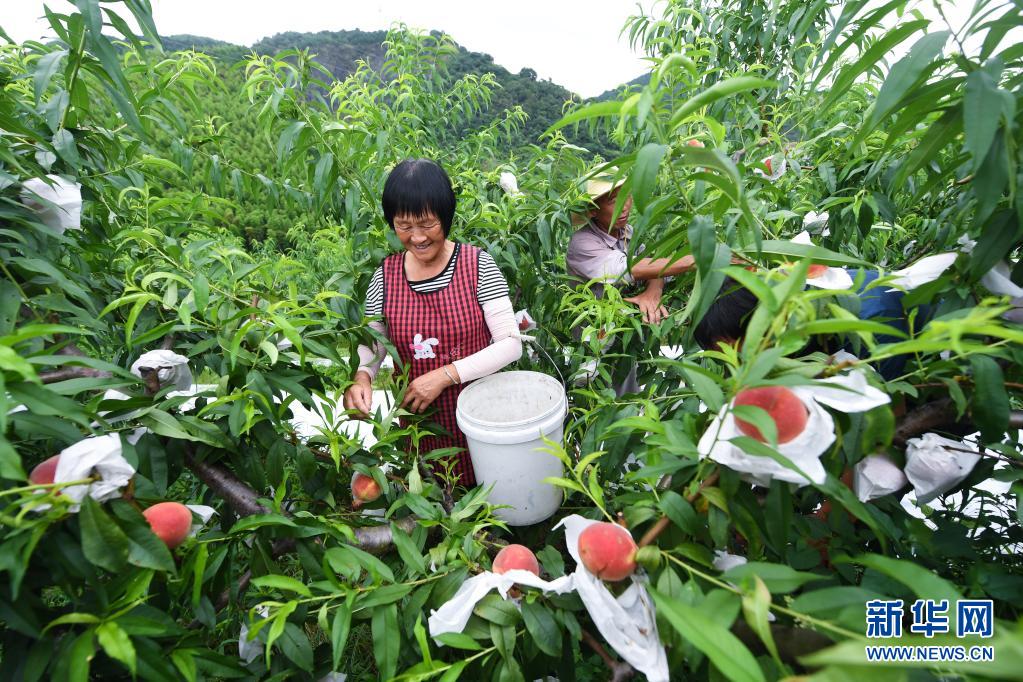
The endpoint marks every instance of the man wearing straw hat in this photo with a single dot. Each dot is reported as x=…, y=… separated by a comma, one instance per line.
x=598, y=252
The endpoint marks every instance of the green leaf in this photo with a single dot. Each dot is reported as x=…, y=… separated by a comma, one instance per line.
x=386, y=640
x=282, y=582
x=103, y=542
x=818, y=254
x=724, y=650
x=459, y=640
x=542, y=628
x=721, y=89
x=296, y=646
x=201, y=291
x=250, y=523
x=277, y=626
x=497, y=610
x=72, y=619
x=339, y=630
x=454, y=672
x=46, y=67
x=10, y=361
x=778, y=578
x=935, y=139
x=981, y=110
x=899, y=83
x=64, y=144
x=596, y=110
x=990, y=402
x=644, y=173
x=755, y=606
x=877, y=51
x=82, y=651
x=922, y=581
x=680, y=512
x=117, y=644
x=407, y=550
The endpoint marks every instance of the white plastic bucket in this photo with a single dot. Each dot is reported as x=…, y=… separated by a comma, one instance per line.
x=504, y=418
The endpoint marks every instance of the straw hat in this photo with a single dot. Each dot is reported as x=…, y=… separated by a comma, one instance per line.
x=603, y=182
x=595, y=186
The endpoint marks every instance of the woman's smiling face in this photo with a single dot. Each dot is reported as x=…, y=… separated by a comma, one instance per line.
x=422, y=236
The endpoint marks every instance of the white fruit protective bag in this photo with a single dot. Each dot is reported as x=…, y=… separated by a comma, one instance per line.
x=98, y=456
x=57, y=201
x=627, y=622
x=171, y=368
x=875, y=476
x=935, y=465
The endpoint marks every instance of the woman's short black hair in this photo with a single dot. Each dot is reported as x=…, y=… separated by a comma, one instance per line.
x=418, y=187
x=727, y=317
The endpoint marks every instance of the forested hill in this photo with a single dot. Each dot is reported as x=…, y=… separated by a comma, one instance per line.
x=542, y=100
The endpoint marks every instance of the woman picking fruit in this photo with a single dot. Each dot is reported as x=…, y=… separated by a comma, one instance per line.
x=444, y=305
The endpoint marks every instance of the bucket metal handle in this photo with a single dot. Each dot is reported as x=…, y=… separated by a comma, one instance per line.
x=539, y=346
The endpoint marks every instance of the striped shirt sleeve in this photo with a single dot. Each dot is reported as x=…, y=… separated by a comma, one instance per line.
x=492, y=284
x=375, y=294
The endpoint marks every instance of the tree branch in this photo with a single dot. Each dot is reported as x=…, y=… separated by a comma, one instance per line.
x=65, y=373
x=619, y=670
x=925, y=418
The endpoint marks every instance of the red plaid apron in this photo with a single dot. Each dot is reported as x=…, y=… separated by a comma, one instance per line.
x=434, y=329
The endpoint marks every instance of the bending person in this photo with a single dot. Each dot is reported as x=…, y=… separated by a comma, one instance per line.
x=444, y=306
x=727, y=317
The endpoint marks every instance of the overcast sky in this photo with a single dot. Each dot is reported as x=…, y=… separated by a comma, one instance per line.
x=574, y=43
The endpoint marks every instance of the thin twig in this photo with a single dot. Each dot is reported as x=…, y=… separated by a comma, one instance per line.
x=619, y=670
x=663, y=522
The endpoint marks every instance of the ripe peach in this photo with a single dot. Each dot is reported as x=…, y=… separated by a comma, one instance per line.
x=607, y=551
x=516, y=557
x=816, y=270
x=171, y=522
x=364, y=489
x=44, y=472
x=694, y=143
x=767, y=162
x=523, y=324
x=783, y=406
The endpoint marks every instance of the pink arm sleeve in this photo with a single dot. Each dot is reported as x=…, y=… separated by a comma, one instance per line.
x=506, y=348
x=370, y=358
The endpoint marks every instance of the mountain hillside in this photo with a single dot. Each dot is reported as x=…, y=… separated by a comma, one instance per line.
x=339, y=51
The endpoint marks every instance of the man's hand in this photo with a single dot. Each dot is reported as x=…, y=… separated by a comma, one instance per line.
x=359, y=396
x=423, y=391
x=649, y=303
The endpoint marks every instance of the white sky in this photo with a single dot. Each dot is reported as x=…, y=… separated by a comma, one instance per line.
x=574, y=43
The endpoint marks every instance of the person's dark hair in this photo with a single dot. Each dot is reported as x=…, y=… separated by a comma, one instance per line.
x=727, y=316
x=417, y=187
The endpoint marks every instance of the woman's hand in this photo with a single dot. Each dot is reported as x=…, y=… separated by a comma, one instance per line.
x=359, y=396
x=423, y=391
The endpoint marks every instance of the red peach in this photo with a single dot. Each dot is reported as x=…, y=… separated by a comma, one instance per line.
x=781, y=404
x=171, y=522
x=523, y=324
x=816, y=270
x=44, y=472
x=516, y=557
x=364, y=489
x=607, y=551
x=694, y=143
x=770, y=170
